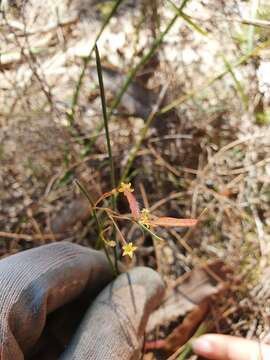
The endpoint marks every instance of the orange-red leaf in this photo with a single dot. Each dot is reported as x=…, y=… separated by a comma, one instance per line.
x=133, y=205
x=173, y=222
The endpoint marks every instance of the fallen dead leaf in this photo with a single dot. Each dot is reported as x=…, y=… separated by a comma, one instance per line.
x=189, y=299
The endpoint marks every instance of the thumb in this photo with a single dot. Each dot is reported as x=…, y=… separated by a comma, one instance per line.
x=114, y=325
x=224, y=347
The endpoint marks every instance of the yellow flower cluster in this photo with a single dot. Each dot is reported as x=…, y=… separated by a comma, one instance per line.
x=125, y=187
x=145, y=218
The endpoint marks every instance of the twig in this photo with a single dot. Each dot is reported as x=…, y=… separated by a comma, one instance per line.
x=29, y=237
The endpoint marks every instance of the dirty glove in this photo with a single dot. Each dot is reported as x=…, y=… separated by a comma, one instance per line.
x=36, y=282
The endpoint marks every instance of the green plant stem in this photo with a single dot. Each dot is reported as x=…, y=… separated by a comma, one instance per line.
x=187, y=348
x=105, y=117
x=188, y=19
x=86, y=61
x=251, y=29
x=94, y=213
x=137, y=147
x=182, y=99
x=238, y=85
x=109, y=148
x=144, y=59
x=178, y=102
x=132, y=73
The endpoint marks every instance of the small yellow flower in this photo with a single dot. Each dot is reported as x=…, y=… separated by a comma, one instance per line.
x=125, y=187
x=129, y=249
x=145, y=218
x=111, y=243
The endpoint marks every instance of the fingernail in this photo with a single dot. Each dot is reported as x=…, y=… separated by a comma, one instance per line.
x=202, y=346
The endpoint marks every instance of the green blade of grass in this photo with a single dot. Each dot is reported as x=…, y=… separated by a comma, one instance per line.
x=105, y=116
x=94, y=213
x=150, y=232
x=182, y=99
x=132, y=73
x=178, y=102
x=86, y=61
x=238, y=85
x=144, y=59
x=109, y=148
x=188, y=19
x=187, y=348
x=251, y=28
x=143, y=134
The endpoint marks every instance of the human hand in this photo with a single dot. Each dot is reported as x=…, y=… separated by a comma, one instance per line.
x=224, y=347
x=36, y=282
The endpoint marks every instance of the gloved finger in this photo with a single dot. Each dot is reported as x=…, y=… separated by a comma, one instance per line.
x=224, y=347
x=113, y=326
x=38, y=281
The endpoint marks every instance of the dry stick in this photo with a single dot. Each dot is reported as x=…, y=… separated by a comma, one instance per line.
x=163, y=162
x=33, y=63
x=255, y=22
x=247, y=168
x=34, y=223
x=163, y=201
x=144, y=196
x=202, y=173
x=228, y=147
x=183, y=242
x=29, y=237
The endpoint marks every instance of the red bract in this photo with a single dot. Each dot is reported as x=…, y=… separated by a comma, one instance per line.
x=173, y=222
x=133, y=205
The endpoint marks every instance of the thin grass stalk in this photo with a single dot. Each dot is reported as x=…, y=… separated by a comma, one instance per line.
x=132, y=73
x=106, y=125
x=251, y=28
x=182, y=99
x=238, y=85
x=86, y=61
x=143, y=134
x=105, y=117
x=144, y=59
x=94, y=213
x=188, y=19
x=187, y=348
x=137, y=147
